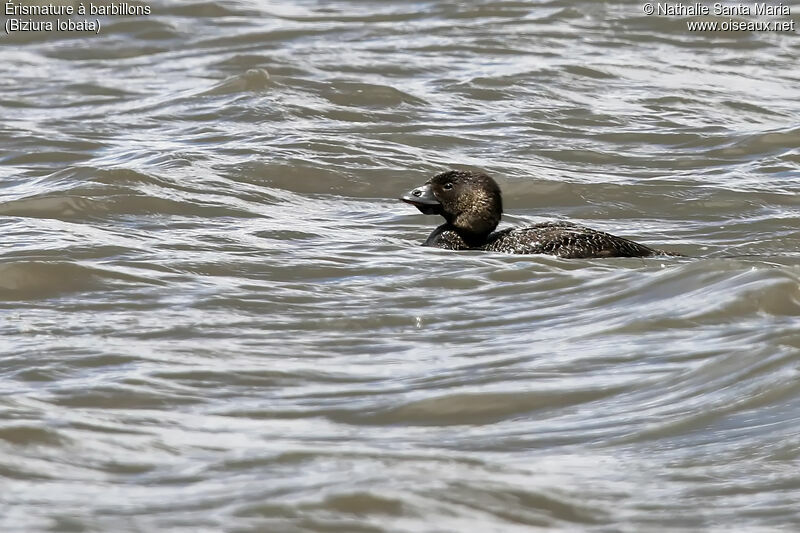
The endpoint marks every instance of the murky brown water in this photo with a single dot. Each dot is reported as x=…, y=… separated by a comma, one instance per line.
x=216, y=315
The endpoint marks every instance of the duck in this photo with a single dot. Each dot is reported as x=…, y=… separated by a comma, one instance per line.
x=472, y=206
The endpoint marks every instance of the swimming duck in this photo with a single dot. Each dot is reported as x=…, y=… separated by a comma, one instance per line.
x=472, y=205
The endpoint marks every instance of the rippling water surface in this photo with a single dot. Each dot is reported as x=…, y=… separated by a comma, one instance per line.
x=216, y=315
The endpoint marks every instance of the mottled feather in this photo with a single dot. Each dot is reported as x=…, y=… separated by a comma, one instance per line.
x=471, y=204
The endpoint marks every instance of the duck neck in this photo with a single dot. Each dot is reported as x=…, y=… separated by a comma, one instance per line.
x=475, y=228
x=472, y=239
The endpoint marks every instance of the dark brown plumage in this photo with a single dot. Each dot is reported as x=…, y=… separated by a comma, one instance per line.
x=472, y=206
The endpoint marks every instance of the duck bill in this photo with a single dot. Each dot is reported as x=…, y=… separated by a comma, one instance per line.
x=423, y=199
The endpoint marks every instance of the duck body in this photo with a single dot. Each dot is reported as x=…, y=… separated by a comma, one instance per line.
x=562, y=239
x=471, y=204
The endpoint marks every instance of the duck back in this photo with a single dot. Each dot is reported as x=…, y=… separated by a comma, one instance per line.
x=564, y=239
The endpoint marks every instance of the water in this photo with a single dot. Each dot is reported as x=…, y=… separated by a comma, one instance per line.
x=216, y=315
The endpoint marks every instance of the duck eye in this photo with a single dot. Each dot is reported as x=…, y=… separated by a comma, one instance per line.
x=447, y=186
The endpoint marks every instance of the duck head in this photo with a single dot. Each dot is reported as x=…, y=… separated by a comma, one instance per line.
x=469, y=201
